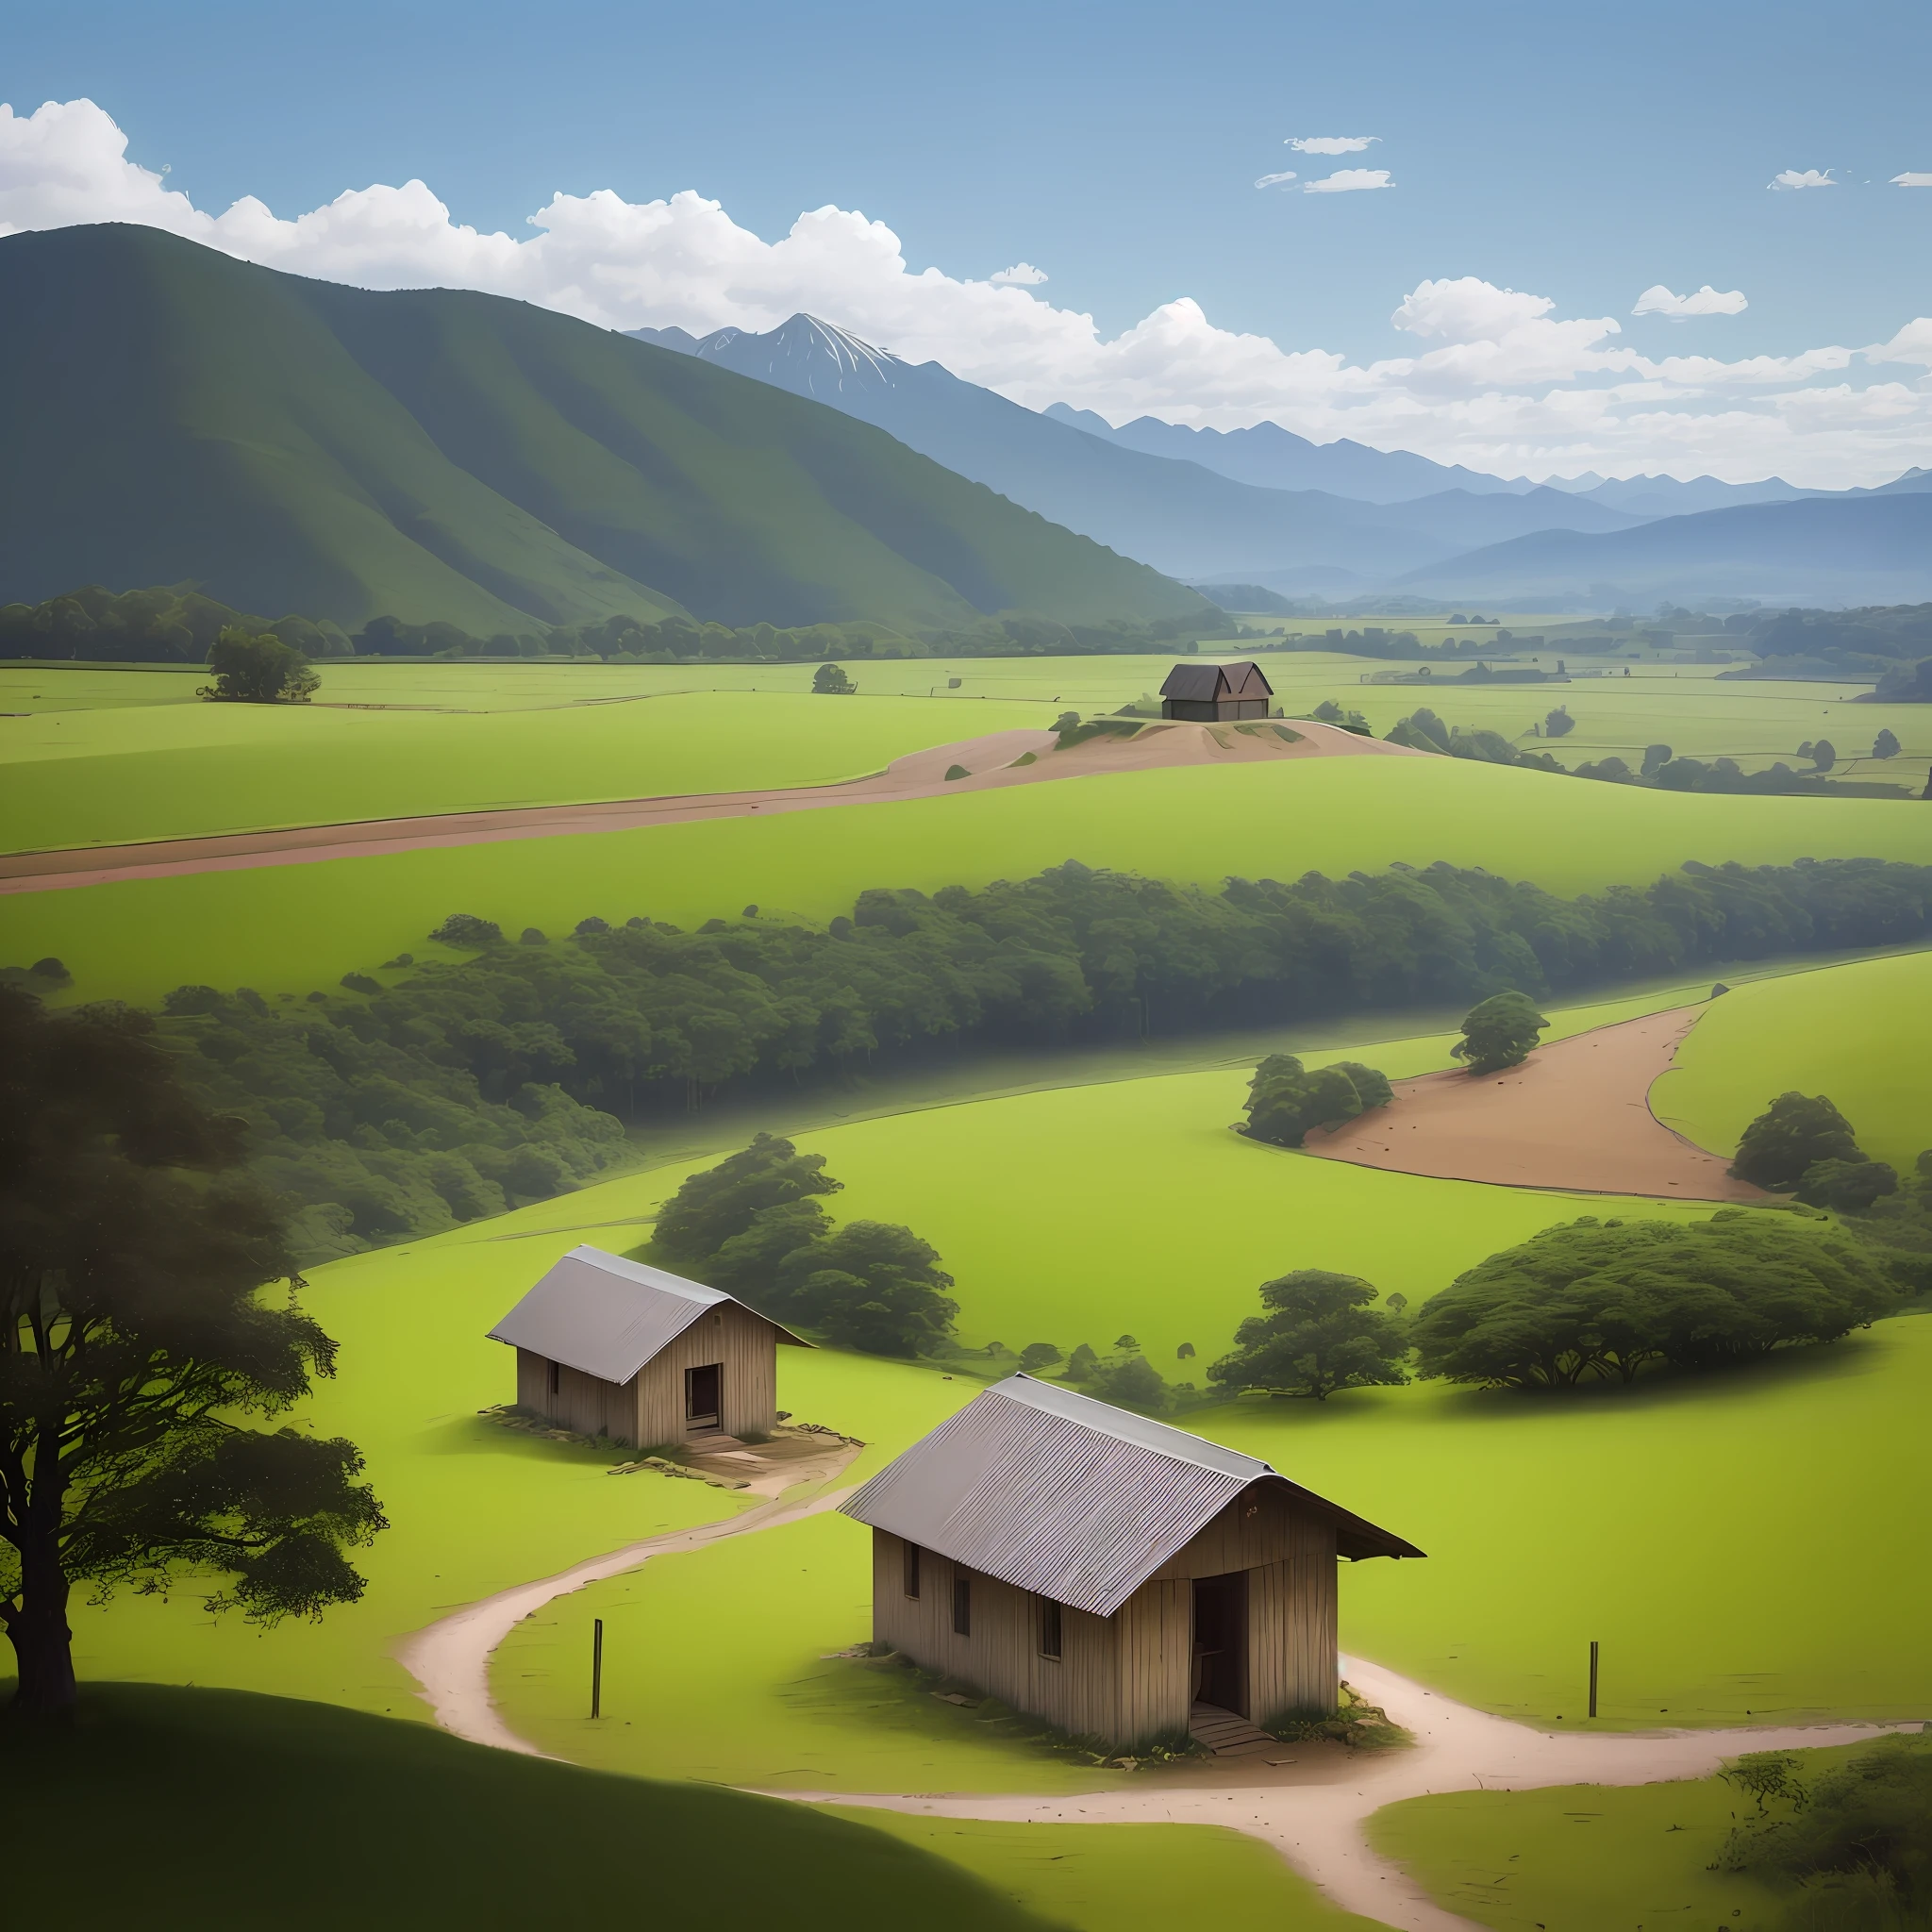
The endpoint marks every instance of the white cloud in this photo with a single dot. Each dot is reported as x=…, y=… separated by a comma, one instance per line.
x=1022, y=274
x=1331, y=143
x=1802, y=177
x=1275, y=180
x=1497, y=377
x=1658, y=300
x=1348, y=180
x=1911, y=180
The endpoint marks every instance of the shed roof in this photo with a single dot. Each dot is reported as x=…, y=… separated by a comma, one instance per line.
x=1055, y=1492
x=1202, y=684
x=607, y=1317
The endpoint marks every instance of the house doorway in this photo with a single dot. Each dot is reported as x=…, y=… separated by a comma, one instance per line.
x=701, y=1395
x=1220, y=1642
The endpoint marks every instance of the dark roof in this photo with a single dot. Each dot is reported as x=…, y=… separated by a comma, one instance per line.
x=608, y=1317
x=1074, y=1499
x=1202, y=684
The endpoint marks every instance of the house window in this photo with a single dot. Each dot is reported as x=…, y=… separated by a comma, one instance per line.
x=909, y=1555
x=1049, y=1628
x=555, y=1379
x=962, y=1604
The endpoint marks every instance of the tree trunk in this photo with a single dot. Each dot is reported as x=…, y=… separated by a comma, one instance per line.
x=43, y=1644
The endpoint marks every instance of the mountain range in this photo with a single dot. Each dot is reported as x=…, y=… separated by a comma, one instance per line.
x=173, y=415
x=1182, y=516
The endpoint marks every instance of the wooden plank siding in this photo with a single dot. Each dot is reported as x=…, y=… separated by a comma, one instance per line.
x=1129, y=1678
x=648, y=1411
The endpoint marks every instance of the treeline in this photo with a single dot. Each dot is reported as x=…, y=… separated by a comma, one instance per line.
x=178, y=625
x=431, y=1091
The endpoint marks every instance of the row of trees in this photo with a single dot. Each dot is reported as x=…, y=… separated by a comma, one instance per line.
x=753, y=1227
x=1591, y=1300
x=430, y=1092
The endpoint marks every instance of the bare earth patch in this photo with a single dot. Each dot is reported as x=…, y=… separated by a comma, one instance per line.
x=991, y=763
x=1574, y=1115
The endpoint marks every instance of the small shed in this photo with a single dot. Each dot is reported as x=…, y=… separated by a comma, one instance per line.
x=610, y=1347
x=1207, y=694
x=1119, y=1578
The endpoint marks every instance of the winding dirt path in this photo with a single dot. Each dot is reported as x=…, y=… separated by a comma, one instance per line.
x=991, y=763
x=1574, y=1115
x=1318, y=1826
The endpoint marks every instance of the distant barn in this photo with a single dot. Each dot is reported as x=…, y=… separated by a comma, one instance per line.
x=609, y=1347
x=1119, y=1578
x=1206, y=693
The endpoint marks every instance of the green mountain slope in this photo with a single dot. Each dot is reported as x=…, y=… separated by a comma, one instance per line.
x=171, y=414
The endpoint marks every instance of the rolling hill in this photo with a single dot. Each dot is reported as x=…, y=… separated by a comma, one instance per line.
x=1856, y=548
x=1179, y=516
x=172, y=414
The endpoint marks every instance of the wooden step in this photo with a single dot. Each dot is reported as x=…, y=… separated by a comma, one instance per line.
x=1227, y=1734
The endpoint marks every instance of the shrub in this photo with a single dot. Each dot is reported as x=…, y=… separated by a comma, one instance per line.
x=1846, y=1186
x=1792, y=1134
x=1607, y=1300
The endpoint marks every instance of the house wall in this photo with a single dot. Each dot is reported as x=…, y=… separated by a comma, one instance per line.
x=648, y=1410
x=1129, y=1678
x=587, y=1403
x=746, y=1345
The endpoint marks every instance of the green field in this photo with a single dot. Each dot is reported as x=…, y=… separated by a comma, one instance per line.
x=180, y=1810
x=1860, y=1034
x=293, y=927
x=105, y=776
x=1585, y=1857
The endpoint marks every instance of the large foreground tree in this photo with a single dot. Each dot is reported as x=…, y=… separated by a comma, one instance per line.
x=138, y=1339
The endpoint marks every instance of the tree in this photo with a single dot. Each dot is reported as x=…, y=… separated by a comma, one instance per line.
x=1846, y=1186
x=1558, y=723
x=1135, y=1383
x=1606, y=1300
x=1126, y=1342
x=713, y=1206
x=1886, y=744
x=1286, y=1101
x=1501, y=1032
x=1795, y=1132
x=829, y=680
x=1655, y=757
x=1038, y=1356
x=1824, y=755
x=1080, y=1364
x=137, y=1341
x=872, y=1286
x=1320, y=1335
x=257, y=671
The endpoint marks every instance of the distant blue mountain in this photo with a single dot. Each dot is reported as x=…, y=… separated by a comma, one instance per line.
x=1184, y=517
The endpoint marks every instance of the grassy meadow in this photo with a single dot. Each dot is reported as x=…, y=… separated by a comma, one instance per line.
x=1860, y=1034
x=290, y=929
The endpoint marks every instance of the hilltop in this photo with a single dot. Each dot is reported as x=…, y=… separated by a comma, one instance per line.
x=173, y=415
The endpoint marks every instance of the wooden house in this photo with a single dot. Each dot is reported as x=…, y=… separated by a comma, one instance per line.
x=1121, y=1579
x=1209, y=693
x=609, y=1347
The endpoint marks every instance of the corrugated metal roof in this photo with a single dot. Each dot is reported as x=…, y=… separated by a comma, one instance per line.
x=606, y=1316
x=1202, y=684
x=1055, y=1492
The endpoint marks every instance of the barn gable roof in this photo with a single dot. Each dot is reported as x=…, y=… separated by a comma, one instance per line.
x=606, y=1316
x=1055, y=1492
x=1203, y=683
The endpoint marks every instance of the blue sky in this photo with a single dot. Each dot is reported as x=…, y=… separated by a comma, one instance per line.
x=1581, y=153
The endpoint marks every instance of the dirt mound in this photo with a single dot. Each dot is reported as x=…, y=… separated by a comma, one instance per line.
x=1574, y=1115
x=994, y=761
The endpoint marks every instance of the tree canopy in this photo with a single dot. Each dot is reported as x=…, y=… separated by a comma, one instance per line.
x=1286, y=1101
x=1320, y=1334
x=1501, y=1032
x=1793, y=1133
x=1608, y=1299
x=136, y=1345
x=753, y=1227
x=257, y=671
